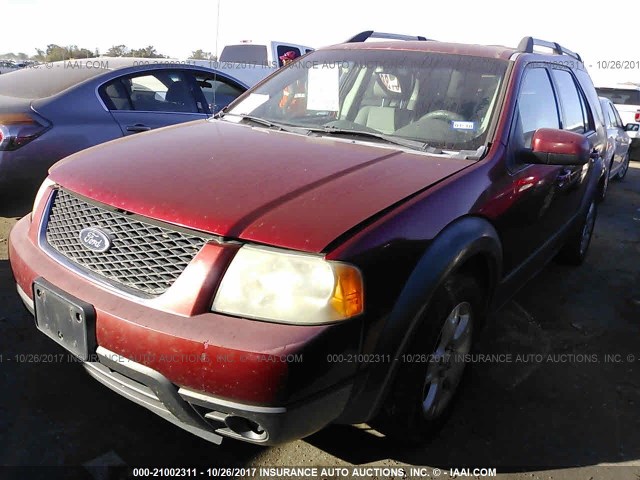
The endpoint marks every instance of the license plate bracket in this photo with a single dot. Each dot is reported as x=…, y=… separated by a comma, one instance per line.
x=64, y=318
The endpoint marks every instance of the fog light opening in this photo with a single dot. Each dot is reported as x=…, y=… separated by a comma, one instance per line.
x=246, y=428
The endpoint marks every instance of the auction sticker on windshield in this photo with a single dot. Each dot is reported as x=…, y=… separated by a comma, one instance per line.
x=323, y=87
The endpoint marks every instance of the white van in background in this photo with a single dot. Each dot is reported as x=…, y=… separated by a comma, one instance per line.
x=250, y=61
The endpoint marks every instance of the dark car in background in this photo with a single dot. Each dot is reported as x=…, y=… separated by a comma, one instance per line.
x=327, y=248
x=52, y=110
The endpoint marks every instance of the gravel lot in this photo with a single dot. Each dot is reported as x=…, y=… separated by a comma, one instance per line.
x=563, y=414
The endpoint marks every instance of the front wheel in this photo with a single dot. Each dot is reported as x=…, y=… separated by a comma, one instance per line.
x=433, y=366
x=624, y=167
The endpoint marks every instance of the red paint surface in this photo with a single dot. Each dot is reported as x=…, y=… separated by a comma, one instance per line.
x=209, y=352
x=293, y=192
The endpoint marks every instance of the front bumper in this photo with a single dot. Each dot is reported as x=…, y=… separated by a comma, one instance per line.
x=222, y=376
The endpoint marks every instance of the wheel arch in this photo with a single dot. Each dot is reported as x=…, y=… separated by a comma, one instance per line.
x=469, y=245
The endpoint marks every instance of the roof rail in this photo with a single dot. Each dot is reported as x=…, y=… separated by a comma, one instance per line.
x=362, y=36
x=527, y=43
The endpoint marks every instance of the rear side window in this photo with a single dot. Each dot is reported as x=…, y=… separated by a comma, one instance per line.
x=217, y=92
x=616, y=116
x=536, y=104
x=608, y=116
x=282, y=49
x=166, y=91
x=245, y=53
x=574, y=112
x=620, y=96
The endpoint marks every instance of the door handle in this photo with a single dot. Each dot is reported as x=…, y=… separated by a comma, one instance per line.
x=138, y=127
x=564, y=178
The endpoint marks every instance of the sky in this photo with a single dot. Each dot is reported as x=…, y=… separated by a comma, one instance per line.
x=600, y=35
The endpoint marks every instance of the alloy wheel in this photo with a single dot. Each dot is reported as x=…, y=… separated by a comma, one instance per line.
x=447, y=362
x=587, y=229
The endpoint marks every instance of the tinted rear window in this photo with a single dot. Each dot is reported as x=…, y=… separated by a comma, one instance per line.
x=620, y=96
x=254, y=54
x=44, y=81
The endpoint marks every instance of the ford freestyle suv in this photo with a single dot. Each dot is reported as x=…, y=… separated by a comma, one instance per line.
x=326, y=250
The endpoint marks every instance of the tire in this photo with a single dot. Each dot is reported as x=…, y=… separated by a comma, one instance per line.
x=575, y=249
x=424, y=390
x=624, y=168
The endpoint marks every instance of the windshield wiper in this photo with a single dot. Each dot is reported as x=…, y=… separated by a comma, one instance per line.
x=266, y=123
x=403, y=142
x=258, y=120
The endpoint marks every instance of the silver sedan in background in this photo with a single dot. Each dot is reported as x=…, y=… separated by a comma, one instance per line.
x=618, y=142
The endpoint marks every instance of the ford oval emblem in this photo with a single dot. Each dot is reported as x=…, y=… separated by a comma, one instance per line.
x=95, y=239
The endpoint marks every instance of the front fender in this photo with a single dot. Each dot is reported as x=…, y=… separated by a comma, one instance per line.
x=450, y=250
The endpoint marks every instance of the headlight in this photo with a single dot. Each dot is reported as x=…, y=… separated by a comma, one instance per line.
x=289, y=287
x=44, y=188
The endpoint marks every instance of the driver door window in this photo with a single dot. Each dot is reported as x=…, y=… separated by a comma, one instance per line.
x=537, y=106
x=166, y=91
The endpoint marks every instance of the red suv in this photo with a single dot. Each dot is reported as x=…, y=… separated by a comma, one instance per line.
x=327, y=248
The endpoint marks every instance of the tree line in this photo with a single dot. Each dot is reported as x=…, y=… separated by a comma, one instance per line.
x=55, y=53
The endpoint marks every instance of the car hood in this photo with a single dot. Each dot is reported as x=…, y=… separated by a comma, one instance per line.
x=255, y=184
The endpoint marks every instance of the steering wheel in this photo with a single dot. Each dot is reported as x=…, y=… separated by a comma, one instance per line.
x=444, y=115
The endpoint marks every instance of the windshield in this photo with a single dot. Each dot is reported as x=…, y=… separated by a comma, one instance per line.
x=441, y=100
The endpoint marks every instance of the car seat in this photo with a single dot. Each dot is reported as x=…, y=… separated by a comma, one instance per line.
x=180, y=96
x=394, y=97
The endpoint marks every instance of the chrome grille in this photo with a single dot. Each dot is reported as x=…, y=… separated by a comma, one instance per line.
x=144, y=257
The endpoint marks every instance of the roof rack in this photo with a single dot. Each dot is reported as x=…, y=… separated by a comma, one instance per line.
x=362, y=36
x=527, y=43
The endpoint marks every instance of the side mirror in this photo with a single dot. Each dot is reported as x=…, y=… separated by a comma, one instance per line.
x=632, y=127
x=550, y=146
